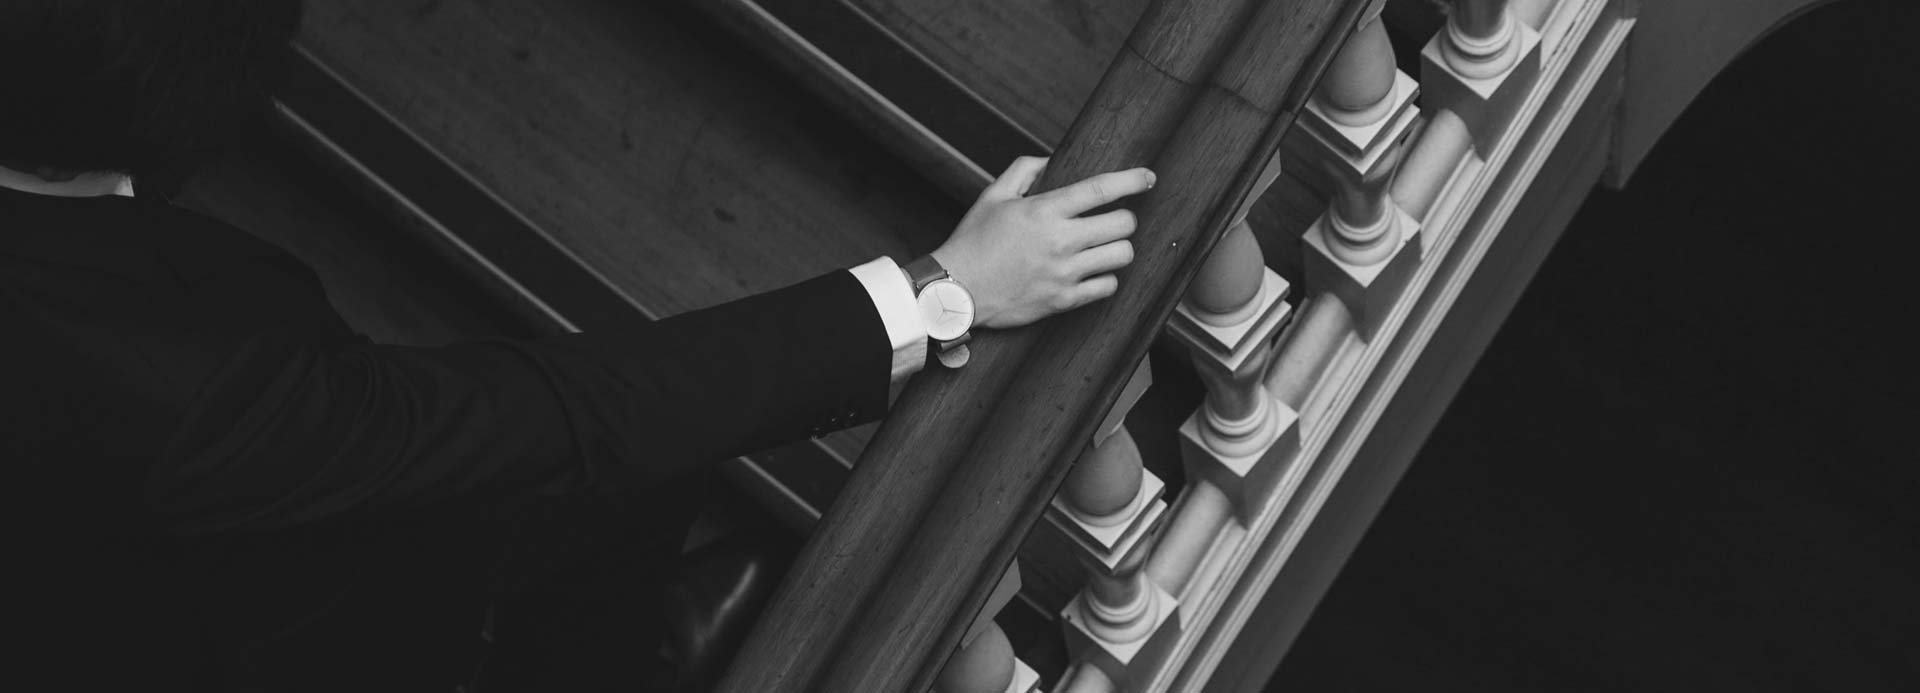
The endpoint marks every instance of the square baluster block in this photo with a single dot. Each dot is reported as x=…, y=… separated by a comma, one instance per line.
x=1488, y=105
x=1058, y=551
x=1321, y=146
x=1246, y=480
x=1357, y=141
x=1368, y=291
x=1125, y=663
x=1553, y=18
x=1110, y=542
x=1025, y=679
x=1232, y=344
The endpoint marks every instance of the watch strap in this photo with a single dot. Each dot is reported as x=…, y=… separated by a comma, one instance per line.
x=923, y=271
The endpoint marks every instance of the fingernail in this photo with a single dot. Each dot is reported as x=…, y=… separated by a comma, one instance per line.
x=1151, y=179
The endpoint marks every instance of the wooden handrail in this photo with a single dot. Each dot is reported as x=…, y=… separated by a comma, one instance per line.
x=885, y=588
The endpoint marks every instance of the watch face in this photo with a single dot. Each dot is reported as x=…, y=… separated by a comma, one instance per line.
x=947, y=309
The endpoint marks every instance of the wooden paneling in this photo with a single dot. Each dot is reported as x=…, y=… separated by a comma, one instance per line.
x=958, y=474
x=1036, y=60
x=636, y=138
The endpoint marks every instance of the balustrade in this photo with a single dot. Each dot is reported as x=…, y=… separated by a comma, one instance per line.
x=1234, y=310
x=1481, y=67
x=1362, y=112
x=1137, y=578
x=986, y=664
x=1110, y=509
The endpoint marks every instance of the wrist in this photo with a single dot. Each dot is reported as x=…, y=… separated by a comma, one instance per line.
x=986, y=307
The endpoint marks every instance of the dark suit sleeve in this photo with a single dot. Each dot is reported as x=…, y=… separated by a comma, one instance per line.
x=294, y=429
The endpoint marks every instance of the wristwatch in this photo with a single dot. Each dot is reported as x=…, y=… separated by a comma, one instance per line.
x=946, y=308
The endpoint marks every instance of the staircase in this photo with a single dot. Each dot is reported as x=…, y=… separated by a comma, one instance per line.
x=1163, y=485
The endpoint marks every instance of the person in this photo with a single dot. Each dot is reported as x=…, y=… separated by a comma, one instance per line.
x=201, y=451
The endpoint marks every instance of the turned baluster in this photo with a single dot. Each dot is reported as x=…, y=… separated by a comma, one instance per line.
x=1101, y=491
x=1358, y=88
x=1356, y=248
x=1363, y=103
x=1480, y=38
x=985, y=665
x=985, y=661
x=1233, y=312
x=1083, y=678
x=1365, y=230
x=1114, y=509
x=1481, y=67
x=1105, y=482
x=1239, y=417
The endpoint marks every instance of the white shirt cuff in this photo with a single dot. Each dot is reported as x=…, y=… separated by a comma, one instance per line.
x=893, y=298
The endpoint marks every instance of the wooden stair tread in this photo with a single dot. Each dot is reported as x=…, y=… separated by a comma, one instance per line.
x=1036, y=61
x=382, y=283
x=635, y=139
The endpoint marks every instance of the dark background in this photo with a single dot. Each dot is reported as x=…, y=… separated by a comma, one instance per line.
x=1687, y=462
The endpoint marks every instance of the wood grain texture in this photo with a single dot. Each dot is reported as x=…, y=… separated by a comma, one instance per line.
x=1036, y=60
x=635, y=138
x=946, y=492
x=888, y=89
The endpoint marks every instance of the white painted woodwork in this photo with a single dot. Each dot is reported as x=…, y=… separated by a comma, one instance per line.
x=1085, y=678
x=1481, y=67
x=1360, y=378
x=985, y=665
x=1025, y=679
x=1202, y=512
x=1364, y=250
x=1105, y=481
x=1223, y=292
x=1126, y=644
x=1480, y=37
x=1309, y=350
x=1108, y=504
x=1433, y=162
x=1243, y=458
x=1357, y=86
x=1234, y=311
x=1111, y=510
x=1552, y=18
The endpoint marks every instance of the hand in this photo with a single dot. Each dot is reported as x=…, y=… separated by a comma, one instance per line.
x=1026, y=258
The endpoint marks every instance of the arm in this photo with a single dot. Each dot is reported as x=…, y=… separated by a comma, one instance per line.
x=1023, y=258
x=293, y=429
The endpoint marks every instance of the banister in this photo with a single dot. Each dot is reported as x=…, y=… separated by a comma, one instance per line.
x=885, y=588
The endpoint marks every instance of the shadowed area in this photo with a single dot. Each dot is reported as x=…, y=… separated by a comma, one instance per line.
x=1686, y=463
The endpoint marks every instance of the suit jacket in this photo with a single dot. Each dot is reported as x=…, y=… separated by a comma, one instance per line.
x=178, y=400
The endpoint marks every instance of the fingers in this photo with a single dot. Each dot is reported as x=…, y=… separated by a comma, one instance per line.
x=1093, y=289
x=1101, y=229
x=1103, y=259
x=1105, y=188
x=1018, y=178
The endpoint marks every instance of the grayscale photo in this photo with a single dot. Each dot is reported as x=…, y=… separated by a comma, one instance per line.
x=959, y=346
